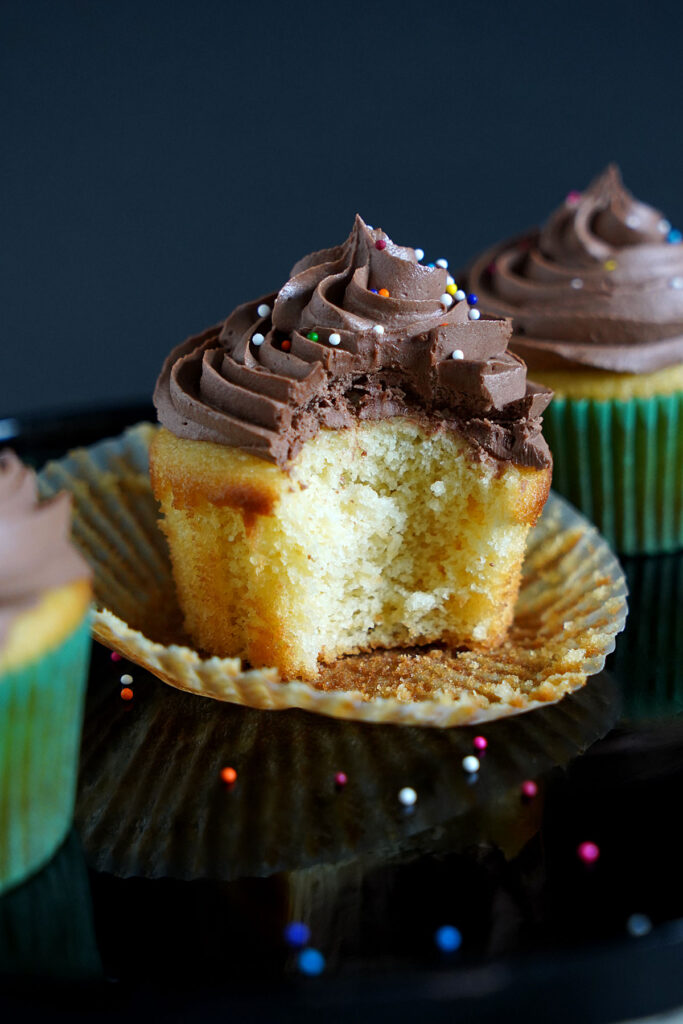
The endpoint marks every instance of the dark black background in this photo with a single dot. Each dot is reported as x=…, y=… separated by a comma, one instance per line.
x=160, y=163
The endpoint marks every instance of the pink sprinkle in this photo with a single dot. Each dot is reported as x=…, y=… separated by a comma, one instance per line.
x=480, y=743
x=529, y=789
x=588, y=852
x=115, y=656
x=340, y=779
x=380, y=244
x=573, y=197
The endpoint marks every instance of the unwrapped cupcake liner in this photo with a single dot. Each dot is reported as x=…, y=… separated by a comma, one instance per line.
x=572, y=604
x=41, y=711
x=621, y=464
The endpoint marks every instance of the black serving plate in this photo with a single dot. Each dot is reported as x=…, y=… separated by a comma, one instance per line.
x=171, y=903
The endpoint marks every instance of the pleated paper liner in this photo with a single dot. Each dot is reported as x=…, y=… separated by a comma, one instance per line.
x=41, y=709
x=621, y=463
x=152, y=802
x=571, y=606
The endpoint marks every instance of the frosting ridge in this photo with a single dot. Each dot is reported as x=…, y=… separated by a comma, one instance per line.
x=600, y=285
x=359, y=331
x=36, y=553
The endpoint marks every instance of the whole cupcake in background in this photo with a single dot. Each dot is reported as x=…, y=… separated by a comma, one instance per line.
x=45, y=594
x=596, y=298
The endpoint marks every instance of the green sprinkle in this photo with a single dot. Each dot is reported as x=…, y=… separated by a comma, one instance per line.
x=312, y=336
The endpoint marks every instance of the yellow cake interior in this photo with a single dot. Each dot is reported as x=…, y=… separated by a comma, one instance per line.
x=381, y=536
x=45, y=624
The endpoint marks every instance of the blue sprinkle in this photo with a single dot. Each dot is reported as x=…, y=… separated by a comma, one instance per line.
x=448, y=938
x=431, y=266
x=374, y=291
x=639, y=925
x=311, y=962
x=674, y=236
x=472, y=299
x=297, y=934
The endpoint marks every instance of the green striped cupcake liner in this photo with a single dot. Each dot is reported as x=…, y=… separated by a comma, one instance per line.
x=41, y=711
x=621, y=463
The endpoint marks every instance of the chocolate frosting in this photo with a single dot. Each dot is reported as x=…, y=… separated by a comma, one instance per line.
x=329, y=349
x=598, y=286
x=36, y=553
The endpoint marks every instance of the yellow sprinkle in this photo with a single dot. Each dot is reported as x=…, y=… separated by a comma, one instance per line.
x=611, y=265
x=451, y=289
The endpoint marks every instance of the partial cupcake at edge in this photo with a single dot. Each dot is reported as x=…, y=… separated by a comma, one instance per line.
x=352, y=462
x=596, y=298
x=45, y=594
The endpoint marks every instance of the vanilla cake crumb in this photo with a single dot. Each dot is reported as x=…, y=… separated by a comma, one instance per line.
x=343, y=554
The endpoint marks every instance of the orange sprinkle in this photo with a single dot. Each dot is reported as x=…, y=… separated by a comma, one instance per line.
x=126, y=693
x=228, y=775
x=286, y=345
x=384, y=292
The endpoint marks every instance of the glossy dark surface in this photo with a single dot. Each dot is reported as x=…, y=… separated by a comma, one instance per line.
x=171, y=895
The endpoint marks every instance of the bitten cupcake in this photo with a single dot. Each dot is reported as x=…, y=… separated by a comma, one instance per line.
x=596, y=297
x=44, y=647
x=352, y=462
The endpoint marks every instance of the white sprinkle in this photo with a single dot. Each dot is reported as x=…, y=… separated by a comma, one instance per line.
x=638, y=925
x=263, y=309
x=457, y=353
x=450, y=279
x=446, y=300
x=442, y=263
x=369, y=227
x=460, y=295
x=633, y=220
x=576, y=282
x=257, y=339
x=126, y=680
x=334, y=339
x=473, y=314
x=470, y=764
x=407, y=796
x=664, y=226
x=676, y=282
x=420, y=254
x=437, y=488
x=378, y=329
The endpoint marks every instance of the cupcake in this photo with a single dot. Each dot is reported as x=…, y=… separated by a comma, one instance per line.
x=596, y=297
x=352, y=462
x=44, y=646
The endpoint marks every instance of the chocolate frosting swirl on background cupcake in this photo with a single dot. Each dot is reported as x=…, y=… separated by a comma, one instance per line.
x=599, y=286
x=36, y=553
x=359, y=331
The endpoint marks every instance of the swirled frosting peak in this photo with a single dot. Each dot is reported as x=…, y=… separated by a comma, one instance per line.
x=36, y=553
x=359, y=331
x=600, y=285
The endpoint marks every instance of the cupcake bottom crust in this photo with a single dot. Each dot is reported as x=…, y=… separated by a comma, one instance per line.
x=45, y=625
x=381, y=536
x=602, y=385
